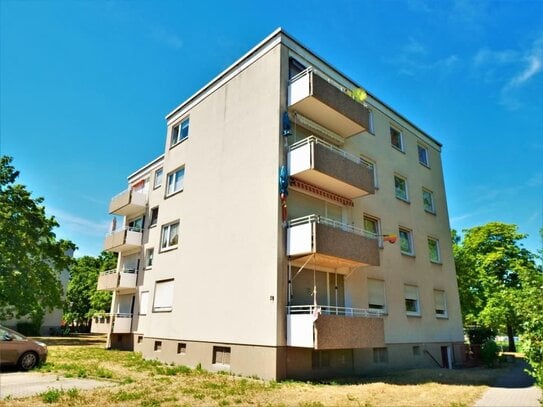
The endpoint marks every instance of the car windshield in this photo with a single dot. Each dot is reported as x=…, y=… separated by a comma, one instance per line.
x=7, y=334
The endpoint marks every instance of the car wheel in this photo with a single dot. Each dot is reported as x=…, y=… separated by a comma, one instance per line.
x=28, y=361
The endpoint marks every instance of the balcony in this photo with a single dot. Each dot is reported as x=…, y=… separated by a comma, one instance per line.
x=122, y=281
x=326, y=102
x=333, y=244
x=323, y=165
x=123, y=240
x=111, y=323
x=326, y=327
x=128, y=203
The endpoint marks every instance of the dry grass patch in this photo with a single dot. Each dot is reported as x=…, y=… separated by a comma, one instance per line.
x=151, y=383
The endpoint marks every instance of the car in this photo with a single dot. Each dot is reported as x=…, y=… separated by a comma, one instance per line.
x=17, y=349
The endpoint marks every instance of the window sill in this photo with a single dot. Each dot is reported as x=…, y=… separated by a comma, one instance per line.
x=437, y=263
x=155, y=311
x=430, y=212
x=153, y=225
x=397, y=148
x=148, y=268
x=157, y=186
x=413, y=315
x=442, y=316
x=424, y=165
x=412, y=255
x=173, y=193
x=178, y=142
x=168, y=249
x=407, y=201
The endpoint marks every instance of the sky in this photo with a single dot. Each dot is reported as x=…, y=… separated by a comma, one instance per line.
x=85, y=87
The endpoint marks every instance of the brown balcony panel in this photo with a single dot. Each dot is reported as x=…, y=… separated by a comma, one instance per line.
x=341, y=332
x=331, y=107
x=108, y=281
x=128, y=203
x=349, y=179
x=335, y=242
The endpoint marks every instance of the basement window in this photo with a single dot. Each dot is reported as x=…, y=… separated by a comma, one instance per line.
x=221, y=355
x=380, y=355
x=181, y=348
x=158, y=346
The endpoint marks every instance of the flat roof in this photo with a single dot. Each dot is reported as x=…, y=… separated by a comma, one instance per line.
x=280, y=33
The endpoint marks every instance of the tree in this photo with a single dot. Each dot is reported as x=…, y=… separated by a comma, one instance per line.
x=31, y=257
x=493, y=273
x=82, y=298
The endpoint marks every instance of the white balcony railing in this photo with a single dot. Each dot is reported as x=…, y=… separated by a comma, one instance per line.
x=333, y=223
x=314, y=140
x=332, y=310
x=321, y=74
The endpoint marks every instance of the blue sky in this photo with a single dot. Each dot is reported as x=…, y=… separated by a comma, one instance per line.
x=85, y=86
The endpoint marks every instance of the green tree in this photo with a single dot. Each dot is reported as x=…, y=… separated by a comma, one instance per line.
x=82, y=298
x=492, y=268
x=31, y=257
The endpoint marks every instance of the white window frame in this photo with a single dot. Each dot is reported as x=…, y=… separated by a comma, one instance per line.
x=400, y=133
x=178, y=130
x=409, y=234
x=426, y=154
x=431, y=210
x=163, y=296
x=166, y=234
x=438, y=250
x=378, y=227
x=144, y=302
x=172, y=180
x=411, y=293
x=159, y=174
x=373, y=286
x=153, y=222
x=400, y=178
x=149, y=257
x=440, y=304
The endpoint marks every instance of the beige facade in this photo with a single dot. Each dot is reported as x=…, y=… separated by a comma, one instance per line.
x=215, y=269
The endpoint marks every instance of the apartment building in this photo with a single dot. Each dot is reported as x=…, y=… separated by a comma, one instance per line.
x=262, y=241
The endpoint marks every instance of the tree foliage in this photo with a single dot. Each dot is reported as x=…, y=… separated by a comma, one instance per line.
x=31, y=257
x=83, y=300
x=494, y=272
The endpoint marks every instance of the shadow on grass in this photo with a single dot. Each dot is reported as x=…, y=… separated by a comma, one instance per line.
x=73, y=340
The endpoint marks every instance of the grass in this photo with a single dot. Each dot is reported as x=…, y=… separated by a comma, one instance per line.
x=151, y=383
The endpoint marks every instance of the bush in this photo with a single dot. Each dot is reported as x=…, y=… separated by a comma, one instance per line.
x=489, y=352
x=28, y=328
x=478, y=335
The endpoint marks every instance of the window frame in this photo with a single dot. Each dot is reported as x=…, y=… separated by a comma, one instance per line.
x=416, y=298
x=438, y=250
x=221, y=351
x=445, y=312
x=176, y=136
x=400, y=178
x=432, y=201
x=380, y=355
x=401, y=147
x=144, y=304
x=149, y=255
x=384, y=305
x=410, y=239
x=169, y=246
x=153, y=220
x=427, y=155
x=165, y=308
x=157, y=180
x=170, y=175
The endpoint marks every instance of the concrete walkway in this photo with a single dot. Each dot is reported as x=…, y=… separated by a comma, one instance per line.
x=24, y=384
x=515, y=389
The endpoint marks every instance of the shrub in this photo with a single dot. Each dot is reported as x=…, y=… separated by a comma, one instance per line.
x=489, y=352
x=28, y=328
x=478, y=334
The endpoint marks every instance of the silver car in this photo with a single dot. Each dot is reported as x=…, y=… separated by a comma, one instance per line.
x=17, y=349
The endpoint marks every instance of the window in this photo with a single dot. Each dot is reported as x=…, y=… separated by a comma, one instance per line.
x=181, y=348
x=149, y=254
x=440, y=304
x=376, y=294
x=136, y=225
x=175, y=181
x=371, y=225
x=163, y=301
x=180, y=132
x=423, y=155
x=406, y=242
x=170, y=236
x=154, y=216
x=433, y=250
x=400, y=188
x=396, y=138
x=320, y=359
x=380, y=355
x=158, y=345
x=158, y=178
x=221, y=355
x=140, y=338
x=428, y=201
x=412, y=306
x=144, y=302
x=416, y=350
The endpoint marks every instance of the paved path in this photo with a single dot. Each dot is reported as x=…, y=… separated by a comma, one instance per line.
x=515, y=389
x=24, y=384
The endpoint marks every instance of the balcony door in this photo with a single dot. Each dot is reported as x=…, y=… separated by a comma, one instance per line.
x=330, y=288
x=300, y=204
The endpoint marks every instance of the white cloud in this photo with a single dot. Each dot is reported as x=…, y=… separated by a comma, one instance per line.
x=534, y=65
x=78, y=225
